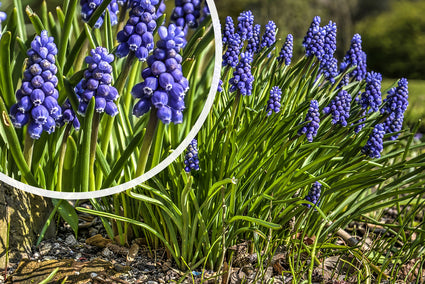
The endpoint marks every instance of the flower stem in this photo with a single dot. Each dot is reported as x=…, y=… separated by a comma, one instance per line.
x=62, y=157
x=93, y=143
x=229, y=130
x=147, y=143
x=28, y=149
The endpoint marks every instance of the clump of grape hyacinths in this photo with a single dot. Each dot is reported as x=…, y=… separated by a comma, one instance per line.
x=374, y=147
x=229, y=30
x=37, y=103
x=355, y=57
x=312, y=118
x=97, y=83
x=137, y=34
x=186, y=13
x=231, y=56
x=339, y=108
x=269, y=36
x=164, y=85
x=242, y=77
x=253, y=45
x=314, y=194
x=314, y=39
x=273, y=104
x=285, y=54
x=395, y=105
x=245, y=25
x=191, y=159
x=89, y=6
x=371, y=97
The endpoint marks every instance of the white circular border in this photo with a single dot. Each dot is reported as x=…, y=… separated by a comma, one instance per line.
x=163, y=164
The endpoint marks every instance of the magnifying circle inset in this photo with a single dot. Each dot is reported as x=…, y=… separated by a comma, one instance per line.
x=163, y=164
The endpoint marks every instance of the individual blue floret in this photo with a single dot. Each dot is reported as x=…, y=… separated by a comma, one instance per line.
x=242, y=77
x=253, y=44
x=37, y=103
x=314, y=194
x=273, y=104
x=245, y=25
x=164, y=85
x=285, y=54
x=355, y=56
x=371, y=97
x=313, y=121
x=186, y=13
x=374, y=145
x=191, y=160
x=269, y=36
x=229, y=30
x=97, y=83
x=89, y=6
x=339, y=108
x=137, y=34
x=315, y=39
x=231, y=56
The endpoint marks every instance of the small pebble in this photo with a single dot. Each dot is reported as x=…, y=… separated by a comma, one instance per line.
x=45, y=248
x=107, y=252
x=78, y=256
x=151, y=282
x=36, y=255
x=70, y=240
x=93, y=275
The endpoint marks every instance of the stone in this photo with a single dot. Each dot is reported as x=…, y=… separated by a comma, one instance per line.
x=71, y=241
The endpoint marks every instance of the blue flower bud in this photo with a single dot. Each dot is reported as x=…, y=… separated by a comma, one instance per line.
x=191, y=160
x=111, y=108
x=141, y=107
x=164, y=114
x=35, y=130
x=39, y=114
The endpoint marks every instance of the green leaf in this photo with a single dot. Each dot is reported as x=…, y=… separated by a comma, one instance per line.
x=68, y=213
x=35, y=20
x=85, y=147
x=63, y=45
x=266, y=224
x=6, y=74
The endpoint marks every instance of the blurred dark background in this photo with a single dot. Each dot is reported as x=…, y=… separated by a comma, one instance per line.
x=393, y=32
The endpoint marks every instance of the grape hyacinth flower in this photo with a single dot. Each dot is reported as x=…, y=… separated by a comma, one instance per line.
x=313, y=119
x=97, y=83
x=285, y=54
x=229, y=30
x=269, y=36
x=3, y=17
x=314, y=194
x=395, y=105
x=253, y=45
x=374, y=147
x=231, y=56
x=164, y=85
x=328, y=63
x=273, y=104
x=361, y=125
x=245, y=25
x=89, y=6
x=191, y=160
x=68, y=115
x=137, y=34
x=220, y=86
x=186, y=13
x=371, y=97
x=37, y=103
x=339, y=108
x=355, y=56
x=242, y=77
x=314, y=39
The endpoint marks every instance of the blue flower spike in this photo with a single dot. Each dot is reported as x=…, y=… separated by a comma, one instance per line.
x=374, y=144
x=273, y=104
x=186, y=13
x=242, y=77
x=37, y=103
x=88, y=7
x=355, y=56
x=313, y=121
x=339, y=108
x=191, y=160
x=164, y=86
x=285, y=54
x=97, y=83
x=314, y=194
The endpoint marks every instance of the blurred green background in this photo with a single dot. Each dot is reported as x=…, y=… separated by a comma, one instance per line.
x=393, y=33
